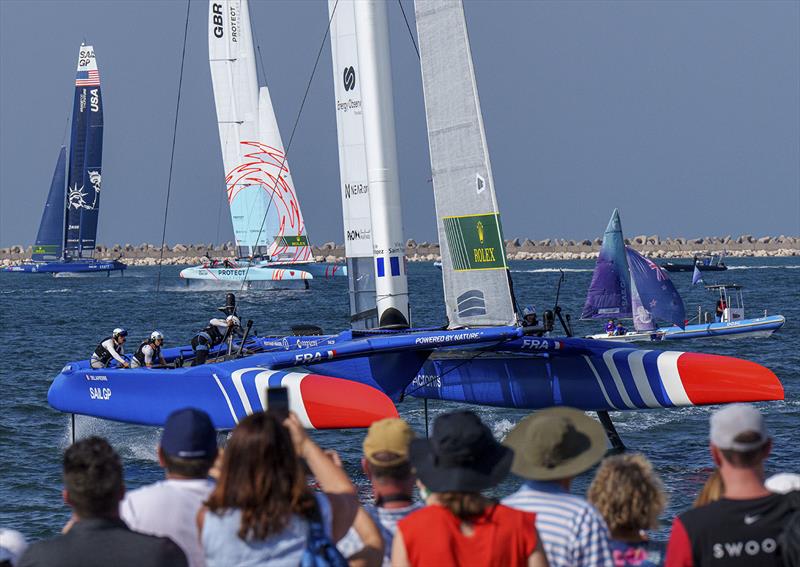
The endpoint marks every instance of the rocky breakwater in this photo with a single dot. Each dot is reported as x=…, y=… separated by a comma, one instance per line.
x=516, y=249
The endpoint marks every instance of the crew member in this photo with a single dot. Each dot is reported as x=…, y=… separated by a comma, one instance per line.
x=149, y=350
x=214, y=334
x=720, y=311
x=610, y=327
x=620, y=330
x=112, y=347
x=529, y=318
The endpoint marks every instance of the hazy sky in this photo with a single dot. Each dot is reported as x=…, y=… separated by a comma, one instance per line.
x=685, y=115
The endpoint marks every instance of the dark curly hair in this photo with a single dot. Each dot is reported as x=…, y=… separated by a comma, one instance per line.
x=93, y=477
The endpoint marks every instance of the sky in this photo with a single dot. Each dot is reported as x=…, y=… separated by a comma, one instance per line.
x=684, y=115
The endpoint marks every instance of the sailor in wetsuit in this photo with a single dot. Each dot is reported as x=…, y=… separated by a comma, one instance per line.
x=149, y=351
x=110, y=348
x=610, y=327
x=214, y=334
x=620, y=330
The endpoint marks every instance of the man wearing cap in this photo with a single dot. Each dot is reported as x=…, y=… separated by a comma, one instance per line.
x=744, y=527
x=551, y=447
x=387, y=467
x=169, y=507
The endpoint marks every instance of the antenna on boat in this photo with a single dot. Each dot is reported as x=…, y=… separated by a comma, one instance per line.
x=565, y=322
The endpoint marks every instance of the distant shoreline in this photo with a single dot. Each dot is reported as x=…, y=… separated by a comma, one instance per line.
x=516, y=249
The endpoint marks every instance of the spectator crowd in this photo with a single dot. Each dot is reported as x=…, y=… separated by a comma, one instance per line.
x=272, y=496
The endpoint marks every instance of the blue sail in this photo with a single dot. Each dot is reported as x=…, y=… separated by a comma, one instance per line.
x=657, y=294
x=609, y=293
x=85, y=158
x=50, y=238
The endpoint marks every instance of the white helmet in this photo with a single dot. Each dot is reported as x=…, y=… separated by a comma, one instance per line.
x=119, y=332
x=233, y=319
x=155, y=335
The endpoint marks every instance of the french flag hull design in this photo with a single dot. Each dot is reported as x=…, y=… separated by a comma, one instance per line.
x=611, y=379
x=341, y=381
x=147, y=397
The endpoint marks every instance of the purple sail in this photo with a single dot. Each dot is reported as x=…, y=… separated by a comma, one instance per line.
x=609, y=293
x=656, y=293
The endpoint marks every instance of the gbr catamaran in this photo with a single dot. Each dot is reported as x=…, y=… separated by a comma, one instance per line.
x=272, y=243
x=483, y=356
x=65, y=243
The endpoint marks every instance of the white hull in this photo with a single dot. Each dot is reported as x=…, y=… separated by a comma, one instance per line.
x=631, y=337
x=257, y=277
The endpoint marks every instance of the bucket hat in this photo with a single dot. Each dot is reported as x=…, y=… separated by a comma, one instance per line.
x=556, y=443
x=462, y=455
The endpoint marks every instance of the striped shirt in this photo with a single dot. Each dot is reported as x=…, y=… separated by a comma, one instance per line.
x=572, y=531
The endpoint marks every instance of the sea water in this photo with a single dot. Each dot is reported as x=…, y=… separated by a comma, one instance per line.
x=48, y=321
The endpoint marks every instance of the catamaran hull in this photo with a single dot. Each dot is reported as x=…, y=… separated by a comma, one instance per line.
x=744, y=328
x=616, y=379
x=347, y=381
x=76, y=268
x=255, y=277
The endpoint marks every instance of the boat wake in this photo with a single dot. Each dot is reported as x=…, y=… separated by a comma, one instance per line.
x=549, y=270
x=763, y=267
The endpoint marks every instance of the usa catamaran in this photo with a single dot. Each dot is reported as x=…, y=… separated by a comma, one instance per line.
x=483, y=356
x=271, y=239
x=65, y=243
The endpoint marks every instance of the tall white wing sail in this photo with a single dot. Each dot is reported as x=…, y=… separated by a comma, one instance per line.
x=474, y=269
x=352, y=164
x=264, y=208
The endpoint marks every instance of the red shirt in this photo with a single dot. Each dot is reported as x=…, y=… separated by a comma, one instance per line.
x=502, y=537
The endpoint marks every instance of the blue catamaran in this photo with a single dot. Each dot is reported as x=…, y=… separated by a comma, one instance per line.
x=485, y=355
x=67, y=233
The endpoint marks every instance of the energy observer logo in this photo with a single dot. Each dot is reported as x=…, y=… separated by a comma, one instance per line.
x=349, y=77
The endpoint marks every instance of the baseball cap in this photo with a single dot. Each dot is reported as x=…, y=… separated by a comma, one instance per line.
x=189, y=434
x=734, y=420
x=390, y=436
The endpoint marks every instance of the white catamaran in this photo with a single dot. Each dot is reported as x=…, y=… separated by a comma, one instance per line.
x=271, y=240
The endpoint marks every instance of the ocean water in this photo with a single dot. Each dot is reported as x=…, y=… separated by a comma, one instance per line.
x=48, y=321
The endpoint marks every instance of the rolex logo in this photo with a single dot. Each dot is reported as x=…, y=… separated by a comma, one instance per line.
x=479, y=227
x=349, y=78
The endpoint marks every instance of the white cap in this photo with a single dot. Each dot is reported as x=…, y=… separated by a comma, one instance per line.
x=12, y=545
x=783, y=483
x=232, y=319
x=734, y=420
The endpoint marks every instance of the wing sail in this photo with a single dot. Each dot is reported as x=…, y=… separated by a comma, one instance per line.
x=609, y=293
x=474, y=269
x=257, y=177
x=50, y=238
x=85, y=158
x=353, y=164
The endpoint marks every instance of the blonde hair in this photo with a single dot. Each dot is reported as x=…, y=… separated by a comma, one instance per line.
x=712, y=490
x=627, y=493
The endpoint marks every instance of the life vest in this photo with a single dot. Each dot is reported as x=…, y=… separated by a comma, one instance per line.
x=102, y=353
x=213, y=333
x=139, y=354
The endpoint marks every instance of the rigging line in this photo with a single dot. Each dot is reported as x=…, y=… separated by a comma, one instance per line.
x=171, y=160
x=291, y=137
x=408, y=26
x=258, y=47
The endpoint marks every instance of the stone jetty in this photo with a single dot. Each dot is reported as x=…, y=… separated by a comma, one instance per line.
x=744, y=245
